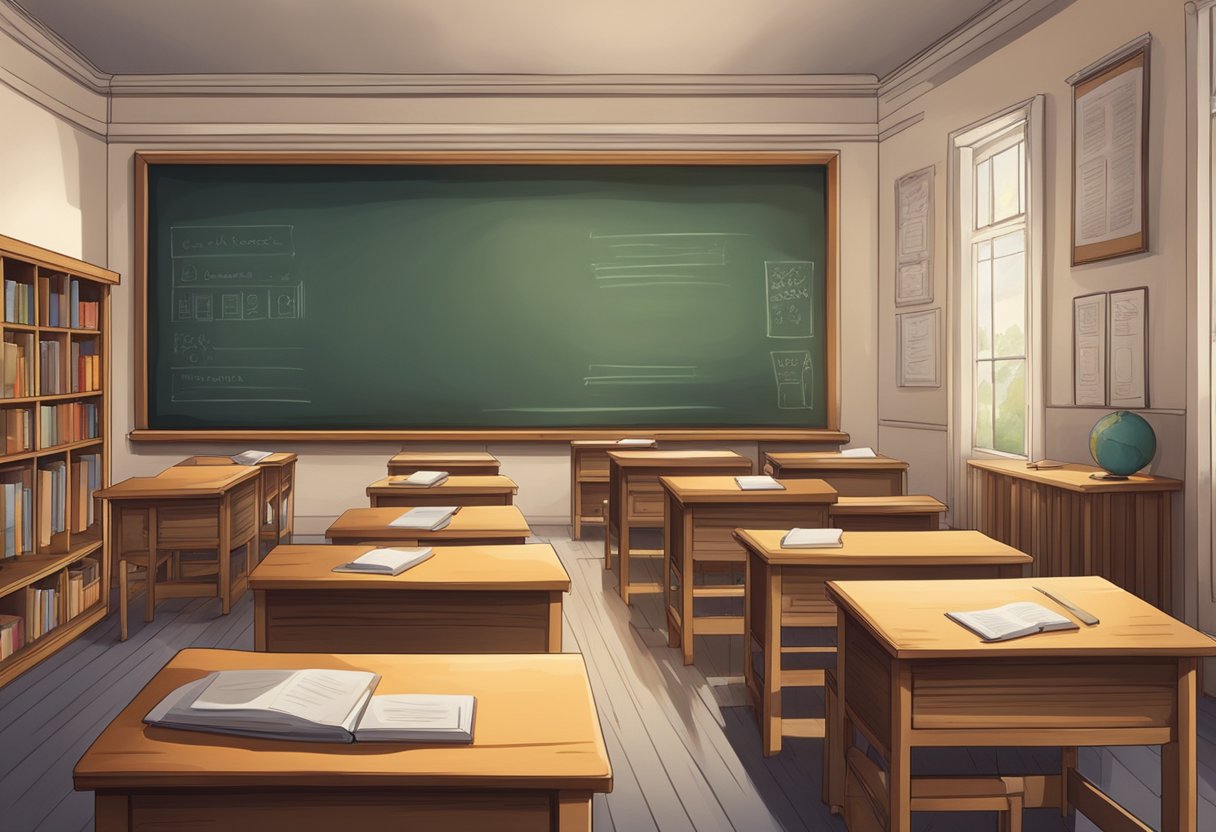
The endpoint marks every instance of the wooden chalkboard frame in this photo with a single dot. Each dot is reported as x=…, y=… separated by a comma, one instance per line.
x=146, y=159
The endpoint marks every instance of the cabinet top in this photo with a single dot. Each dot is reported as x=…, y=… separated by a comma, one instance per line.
x=1075, y=477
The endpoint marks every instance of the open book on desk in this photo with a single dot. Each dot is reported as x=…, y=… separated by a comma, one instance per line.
x=312, y=706
x=390, y=561
x=1022, y=618
x=250, y=457
x=758, y=482
x=420, y=479
x=425, y=518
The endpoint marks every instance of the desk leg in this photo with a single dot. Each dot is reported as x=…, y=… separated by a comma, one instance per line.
x=225, y=554
x=770, y=694
x=622, y=558
x=687, y=613
x=555, y=622
x=573, y=812
x=836, y=739
x=900, y=764
x=259, y=621
x=112, y=813
x=1179, y=767
x=150, y=581
x=1068, y=762
x=607, y=542
x=124, y=591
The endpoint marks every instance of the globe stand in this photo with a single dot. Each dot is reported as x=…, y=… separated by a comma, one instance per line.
x=1106, y=475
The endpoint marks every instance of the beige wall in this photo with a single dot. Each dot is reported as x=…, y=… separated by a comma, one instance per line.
x=1038, y=63
x=332, y=477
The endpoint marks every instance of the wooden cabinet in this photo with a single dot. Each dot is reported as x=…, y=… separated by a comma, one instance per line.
x=1076, y=525
x=54, y=419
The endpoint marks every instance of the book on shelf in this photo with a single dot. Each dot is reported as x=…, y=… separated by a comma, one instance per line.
x=760, y=482
x=420, y=479
x=52, y=500
x=1022, y=618
x=389, y=561
x=427, y=518
x=858, y=453
x=15, y=497
x=85, y=367
x=42, y=608
x=18, y=430
x=250, y=457
x=18, y=302
x=12, y=635
x=67, y=422
x=17, y=371
x=84, y=586
x=312, y=705
x=813, y=539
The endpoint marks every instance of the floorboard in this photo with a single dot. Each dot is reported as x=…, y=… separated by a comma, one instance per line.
x=684, y=745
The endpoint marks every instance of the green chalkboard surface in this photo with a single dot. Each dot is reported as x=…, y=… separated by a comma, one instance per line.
x=487, y=296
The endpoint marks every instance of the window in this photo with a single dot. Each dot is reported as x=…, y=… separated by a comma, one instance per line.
x=996, y=191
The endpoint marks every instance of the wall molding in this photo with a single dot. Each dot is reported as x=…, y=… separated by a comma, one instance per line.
x=28, y=31
x=902, y=425
x=55, y=106
x=985, y=33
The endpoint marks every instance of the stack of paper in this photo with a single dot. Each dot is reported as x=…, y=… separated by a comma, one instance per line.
x=859, y=453
x=386, y=561
x=812, y=539
x=250, y=457
x=421, y=479
x=763, y=482
x=428, y=518
x=637, y=443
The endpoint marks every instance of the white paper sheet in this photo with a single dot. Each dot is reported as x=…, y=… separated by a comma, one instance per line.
x=1108, y=160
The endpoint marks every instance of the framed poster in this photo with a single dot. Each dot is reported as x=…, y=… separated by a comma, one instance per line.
x=917, y=337
x=914, y=238
x=1127, y=364
x=1110, y=155
x=1089, y=349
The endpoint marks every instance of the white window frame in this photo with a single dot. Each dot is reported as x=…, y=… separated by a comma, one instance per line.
x=963, y=147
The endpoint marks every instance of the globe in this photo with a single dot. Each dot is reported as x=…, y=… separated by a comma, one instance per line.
x=1122, y=443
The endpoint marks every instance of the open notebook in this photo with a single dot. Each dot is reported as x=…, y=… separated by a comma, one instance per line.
x=312, y=705
x=1023, y=618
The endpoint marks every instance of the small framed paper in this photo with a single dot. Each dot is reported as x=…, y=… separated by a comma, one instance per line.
x=914, y=238
x=1127, y=364
x=917, y=338
x=1089, y=349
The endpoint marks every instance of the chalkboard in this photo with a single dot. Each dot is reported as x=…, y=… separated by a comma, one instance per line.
x=417, y=297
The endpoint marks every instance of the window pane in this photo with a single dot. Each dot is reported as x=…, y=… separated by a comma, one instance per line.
x=1022, y=177
x=1006, y=184
x=1012, y=243
x=1009, y=298
x=1009, y=392
x=983, y=404
x=983, y=307
x=983, y=194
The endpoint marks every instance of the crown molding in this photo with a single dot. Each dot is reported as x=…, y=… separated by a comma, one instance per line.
x=785, y=136
x=975, y=39
x=230, y=85
x=22, y=27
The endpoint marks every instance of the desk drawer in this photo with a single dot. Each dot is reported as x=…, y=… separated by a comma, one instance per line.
x=592, y=466
x=803, y=595
x=645, y=501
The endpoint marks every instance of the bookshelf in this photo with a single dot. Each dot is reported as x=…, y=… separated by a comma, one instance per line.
x=54, y=411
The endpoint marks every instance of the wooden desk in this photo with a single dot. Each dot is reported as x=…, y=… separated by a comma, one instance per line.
x=850, y=476
x=702, y=515
x=466, y=464
x=910, y=677
x=907, y=513
x=1074, y=525
x=471, y=526
x=536, y=759
x=635, y=499
x=278, y=493
x=463, y=599
x=589, y=481
x=454, y=491
x=785, y=588
x=183, y=509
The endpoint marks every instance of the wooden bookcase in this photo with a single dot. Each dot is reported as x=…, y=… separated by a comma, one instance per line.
x=45, y=402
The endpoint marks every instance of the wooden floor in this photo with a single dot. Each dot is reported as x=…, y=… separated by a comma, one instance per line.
x=684, y=747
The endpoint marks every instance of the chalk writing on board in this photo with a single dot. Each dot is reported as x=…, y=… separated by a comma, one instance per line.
x=787, y=296
x=238, y=384
x=249, y=304
x=227, y=240
x=639, y=374
x=795, y=376
x=631, y=261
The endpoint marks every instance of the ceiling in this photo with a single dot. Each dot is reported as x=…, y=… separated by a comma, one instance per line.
x=508, y=37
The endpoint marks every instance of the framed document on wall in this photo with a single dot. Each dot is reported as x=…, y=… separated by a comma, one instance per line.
x=1110, y=155
x=917, y=335
x=914, y=238
x=1089, y=349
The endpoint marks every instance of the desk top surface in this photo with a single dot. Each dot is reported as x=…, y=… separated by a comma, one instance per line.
x=901, y=504
x=535, y=728
x=452, y=485
x=470, y=521
x=928, y=548
x=1074, y=477
x=914, y=624
x=678, y=459
x=528, y=566
x=182, y=482
x=826, y=461
x=440, y=458
x=274, y=460
x=724, y=489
